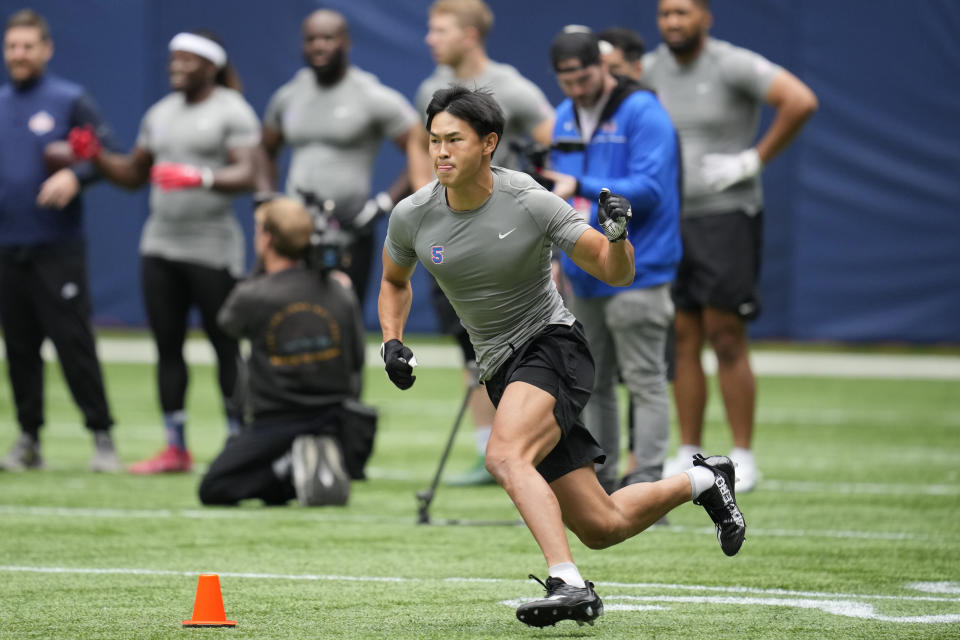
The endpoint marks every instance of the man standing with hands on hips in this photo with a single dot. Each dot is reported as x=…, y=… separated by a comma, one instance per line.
x=714, y=92
x=485, y=234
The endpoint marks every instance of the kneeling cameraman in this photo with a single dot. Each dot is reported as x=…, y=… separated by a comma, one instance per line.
x=309, y=434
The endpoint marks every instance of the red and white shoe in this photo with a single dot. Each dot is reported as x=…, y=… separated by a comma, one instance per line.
x=170, y=460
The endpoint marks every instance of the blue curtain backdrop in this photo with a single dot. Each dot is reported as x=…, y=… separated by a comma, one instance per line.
x=863, y=211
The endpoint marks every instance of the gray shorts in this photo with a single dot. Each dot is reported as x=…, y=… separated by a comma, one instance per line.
x=558, y=361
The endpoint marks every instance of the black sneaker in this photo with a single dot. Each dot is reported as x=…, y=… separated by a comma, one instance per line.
x=721, y=504
x=563, y=602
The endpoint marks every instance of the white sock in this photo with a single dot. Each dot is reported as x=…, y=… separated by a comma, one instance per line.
x=482, y=434
x=742, y=456
x=568, y=572
x=701, y=479
x=686, y=452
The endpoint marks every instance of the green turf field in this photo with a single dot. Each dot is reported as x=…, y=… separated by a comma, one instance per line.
x=853, y=532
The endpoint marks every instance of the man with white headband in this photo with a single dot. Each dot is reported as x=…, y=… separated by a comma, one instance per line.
x=198, y=147
x=335, y=117
x=203, y=47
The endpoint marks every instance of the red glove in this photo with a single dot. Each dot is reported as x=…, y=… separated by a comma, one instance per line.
x=84, y=142
x=170, y=176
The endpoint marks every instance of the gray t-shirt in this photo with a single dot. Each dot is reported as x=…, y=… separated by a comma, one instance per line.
x=492, y=263
x=196, y=225
x=715, y=104
x=336, y=133
x=523, y=104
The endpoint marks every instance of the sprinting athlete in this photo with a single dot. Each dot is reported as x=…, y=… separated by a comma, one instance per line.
x=485, y=233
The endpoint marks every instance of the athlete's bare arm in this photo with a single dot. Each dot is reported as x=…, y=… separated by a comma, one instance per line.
x=611, y=262
x=130, y=170
x=794, y=102
x=271, y=142
x=396, y=296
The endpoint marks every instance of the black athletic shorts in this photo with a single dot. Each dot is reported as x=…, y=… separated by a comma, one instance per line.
x=558, y=361
x=720, y=267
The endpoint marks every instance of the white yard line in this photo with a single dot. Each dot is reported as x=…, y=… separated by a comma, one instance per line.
x=848, y=605
x=250, y=514
x=309, y=577
x=766, y=363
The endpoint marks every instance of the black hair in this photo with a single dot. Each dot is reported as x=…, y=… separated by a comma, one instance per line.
x=575, y=42
x=227, y=75
x=627, y=40
x=476, y=107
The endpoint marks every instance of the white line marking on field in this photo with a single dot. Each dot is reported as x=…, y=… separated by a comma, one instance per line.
x=312, y=515
x=935, y=587
x=840, y=604
x=770, y=363
x=860, y=488
x=310, y=577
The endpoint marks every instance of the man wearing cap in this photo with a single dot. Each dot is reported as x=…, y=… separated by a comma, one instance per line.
x=610, y=132
x=335, y=117
x=44, y=291
x=197, y=146
x=714, y=92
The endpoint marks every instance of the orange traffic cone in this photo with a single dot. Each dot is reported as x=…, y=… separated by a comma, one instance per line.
x=208, y=604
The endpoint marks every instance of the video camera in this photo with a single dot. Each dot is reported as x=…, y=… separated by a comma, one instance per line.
x=532, y=156
x=328, y=242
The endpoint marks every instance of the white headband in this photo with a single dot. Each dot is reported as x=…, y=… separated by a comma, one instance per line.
x=203, y=47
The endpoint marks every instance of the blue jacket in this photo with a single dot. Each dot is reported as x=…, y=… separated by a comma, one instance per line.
x=32, y=116
x=635, y=153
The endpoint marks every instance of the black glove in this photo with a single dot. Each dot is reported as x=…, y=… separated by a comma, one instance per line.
x=398, y=361
x=613, y=214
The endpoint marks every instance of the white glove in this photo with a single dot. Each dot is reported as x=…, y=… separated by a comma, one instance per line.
x=723, y=170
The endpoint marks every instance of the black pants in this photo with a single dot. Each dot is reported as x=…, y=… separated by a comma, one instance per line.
x=44, y=293
x=359, y=262
x=170, y=289
x=244, y=469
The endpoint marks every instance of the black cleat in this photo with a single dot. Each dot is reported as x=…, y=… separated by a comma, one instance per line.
x=721, y=503
x=563, y=602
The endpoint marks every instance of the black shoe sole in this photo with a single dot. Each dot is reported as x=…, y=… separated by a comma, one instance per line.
x=548, y=614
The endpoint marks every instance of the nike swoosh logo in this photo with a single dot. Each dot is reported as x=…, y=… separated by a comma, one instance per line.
x=504, y=235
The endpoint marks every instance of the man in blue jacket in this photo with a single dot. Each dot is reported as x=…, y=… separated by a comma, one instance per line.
x=44, y=291
x=611, y=133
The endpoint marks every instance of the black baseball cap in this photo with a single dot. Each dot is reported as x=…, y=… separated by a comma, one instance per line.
x=575, y=42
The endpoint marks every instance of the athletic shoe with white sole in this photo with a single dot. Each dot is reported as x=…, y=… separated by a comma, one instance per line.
x=720, y=503
x=319, y=475
x=563, y=602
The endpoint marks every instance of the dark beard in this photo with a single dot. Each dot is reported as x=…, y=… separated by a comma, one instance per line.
x=686, y=47
x=333, y=71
